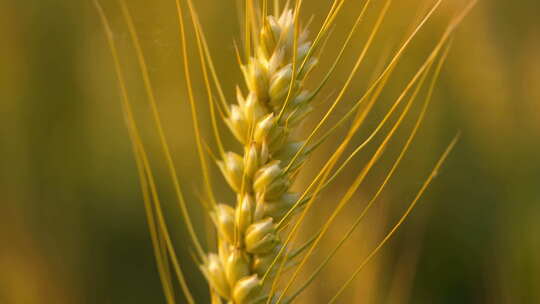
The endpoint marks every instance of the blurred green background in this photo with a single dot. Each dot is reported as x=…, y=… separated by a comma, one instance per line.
x=72, y=224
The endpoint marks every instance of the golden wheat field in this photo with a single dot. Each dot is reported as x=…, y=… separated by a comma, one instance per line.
x=269, y=151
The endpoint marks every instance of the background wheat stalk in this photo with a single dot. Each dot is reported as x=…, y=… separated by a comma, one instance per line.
x=256, y=234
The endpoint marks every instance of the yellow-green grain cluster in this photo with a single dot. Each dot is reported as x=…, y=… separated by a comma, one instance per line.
x=262, y=121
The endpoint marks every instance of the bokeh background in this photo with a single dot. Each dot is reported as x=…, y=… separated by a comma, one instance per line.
x=72, y=224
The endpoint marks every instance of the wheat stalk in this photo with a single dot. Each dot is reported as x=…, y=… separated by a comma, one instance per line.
x=254, y=248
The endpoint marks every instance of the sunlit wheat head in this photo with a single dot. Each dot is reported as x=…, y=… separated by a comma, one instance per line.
x=258, y=251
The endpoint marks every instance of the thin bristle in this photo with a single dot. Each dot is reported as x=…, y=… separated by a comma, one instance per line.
x=387, y=178
x=361, y=176
x=162, y=244
x=194, y=112
x=157, y=119
x=413, y=204
x=389, y=68
x=158, y=253
x=208, y=87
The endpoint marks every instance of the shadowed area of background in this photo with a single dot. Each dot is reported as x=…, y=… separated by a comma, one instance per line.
x=72, y=223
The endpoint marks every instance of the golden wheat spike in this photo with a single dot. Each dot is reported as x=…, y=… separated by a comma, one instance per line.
x=256, y=232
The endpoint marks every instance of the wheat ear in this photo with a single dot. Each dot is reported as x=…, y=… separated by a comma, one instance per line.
x=262, y=121
x=279, y=56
